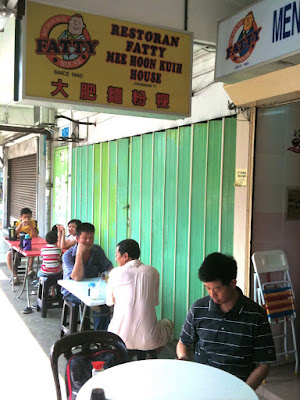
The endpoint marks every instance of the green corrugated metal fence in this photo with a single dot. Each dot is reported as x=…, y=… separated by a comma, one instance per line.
x=172, y=191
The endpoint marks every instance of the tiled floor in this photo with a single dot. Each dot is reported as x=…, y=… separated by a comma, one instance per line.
x=26, y=340
x=281, y=384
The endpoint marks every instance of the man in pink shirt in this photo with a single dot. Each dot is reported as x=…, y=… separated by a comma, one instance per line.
x=133, y=289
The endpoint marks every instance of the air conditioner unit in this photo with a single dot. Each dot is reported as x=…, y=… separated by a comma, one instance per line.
x=44, y=116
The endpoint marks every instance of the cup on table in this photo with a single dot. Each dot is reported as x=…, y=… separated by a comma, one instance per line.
x=104, y=276
x=21, y=237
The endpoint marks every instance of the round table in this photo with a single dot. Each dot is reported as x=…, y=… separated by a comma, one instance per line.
x=167, y=379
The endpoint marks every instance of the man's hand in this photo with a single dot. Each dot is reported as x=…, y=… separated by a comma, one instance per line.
x=183, y=352
x=82, y=250
x=82, y=255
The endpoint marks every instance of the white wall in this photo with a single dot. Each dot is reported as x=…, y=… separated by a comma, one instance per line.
x=276, y=169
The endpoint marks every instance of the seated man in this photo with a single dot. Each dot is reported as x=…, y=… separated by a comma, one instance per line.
x=85, y=260
x=133, y=288
x=228, y=330
x=28, y=225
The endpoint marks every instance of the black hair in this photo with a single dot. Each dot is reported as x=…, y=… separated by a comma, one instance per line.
x=85, y=227
x=74, y=221
x=218, y=267
x=51, y=237
x=25, y=211
x=54, y=228
x=131, y=247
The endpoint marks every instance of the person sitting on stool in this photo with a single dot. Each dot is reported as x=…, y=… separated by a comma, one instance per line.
x=133, y=289
x=85, y=260
x=51, y=256
x=28, y=225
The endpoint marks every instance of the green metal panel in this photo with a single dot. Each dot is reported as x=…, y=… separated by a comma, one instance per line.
x=84, y=181
x=122, y=189
x=198, y=205
x=227, y=215
x=112, y=200
x=178, y=208
x=146, y=204
x=168, y=289
x=213, y=187
x=135, y=189
x=73, y=183
x=60, y=185
x=96, y=205
x=78, y=183
x=182, y=231
x=90, y=183
x=158, y=207
x=104, y=198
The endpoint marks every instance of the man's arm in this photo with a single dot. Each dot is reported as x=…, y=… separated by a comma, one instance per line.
x=33, y=228
x=68, y=261
x=18, y=227
x=258, y=375
x=183, y=352
x=78, y=270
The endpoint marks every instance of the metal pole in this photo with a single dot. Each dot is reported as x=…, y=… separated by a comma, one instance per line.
x=48, y=184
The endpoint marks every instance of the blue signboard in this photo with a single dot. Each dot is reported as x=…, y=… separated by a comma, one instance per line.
x=65, y=132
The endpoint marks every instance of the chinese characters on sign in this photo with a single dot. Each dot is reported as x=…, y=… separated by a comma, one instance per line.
x=85, y=58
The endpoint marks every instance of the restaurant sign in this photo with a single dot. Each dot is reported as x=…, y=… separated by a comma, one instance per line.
x=262, y=38
x=84, y=61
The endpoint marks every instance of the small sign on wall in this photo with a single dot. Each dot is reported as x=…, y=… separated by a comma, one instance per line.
x=240, y=178
x=293, y=204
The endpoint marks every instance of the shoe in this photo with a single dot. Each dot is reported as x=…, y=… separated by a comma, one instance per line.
x=31, y=274
x=16, y=281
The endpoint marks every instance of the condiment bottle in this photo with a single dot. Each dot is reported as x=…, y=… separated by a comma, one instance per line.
x=27, y=242
x=91, y=289
x=98, y=366
x=98, y=394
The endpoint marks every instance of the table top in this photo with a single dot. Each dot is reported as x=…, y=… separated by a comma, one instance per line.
x=167, y=379
x=36, y=244
x=80, y=290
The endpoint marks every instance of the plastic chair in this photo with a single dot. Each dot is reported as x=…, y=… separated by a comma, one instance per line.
x=274, y=291
x=82, y=342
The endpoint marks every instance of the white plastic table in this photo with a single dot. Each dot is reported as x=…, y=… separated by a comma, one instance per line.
x=80, y=289
x=167, y=379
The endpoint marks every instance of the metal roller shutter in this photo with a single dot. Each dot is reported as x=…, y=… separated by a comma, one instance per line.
x=22, y=185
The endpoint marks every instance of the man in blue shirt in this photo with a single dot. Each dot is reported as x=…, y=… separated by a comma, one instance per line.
x=85, y=260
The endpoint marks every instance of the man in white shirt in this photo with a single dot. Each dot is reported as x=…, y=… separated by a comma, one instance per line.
x=133, y=289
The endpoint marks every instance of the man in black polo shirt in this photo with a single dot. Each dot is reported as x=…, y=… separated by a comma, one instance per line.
x=226, y=329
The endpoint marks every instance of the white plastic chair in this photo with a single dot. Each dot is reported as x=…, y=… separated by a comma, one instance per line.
x=274, y=291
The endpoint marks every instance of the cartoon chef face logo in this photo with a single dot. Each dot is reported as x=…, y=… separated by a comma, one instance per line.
x=72, y=48
x=247, y=38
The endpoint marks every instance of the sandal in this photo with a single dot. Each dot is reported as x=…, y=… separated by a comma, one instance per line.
x=16, y=280
x=31, y=274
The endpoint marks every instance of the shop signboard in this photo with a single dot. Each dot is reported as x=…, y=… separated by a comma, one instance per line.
x=261, y=38
x=76, y=60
